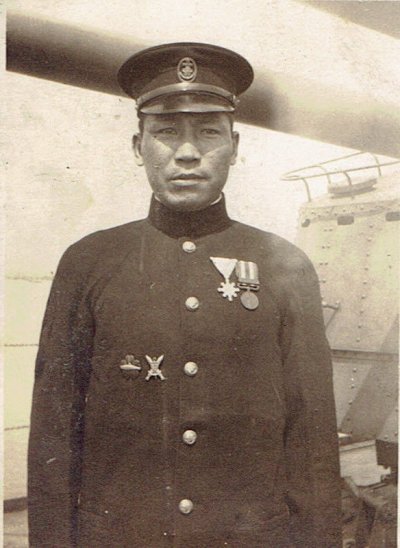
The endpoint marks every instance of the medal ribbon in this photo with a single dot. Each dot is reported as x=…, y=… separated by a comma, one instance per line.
x=224, y=266
x=247, y=272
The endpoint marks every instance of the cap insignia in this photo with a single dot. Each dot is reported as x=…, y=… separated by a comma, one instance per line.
x=187, y=70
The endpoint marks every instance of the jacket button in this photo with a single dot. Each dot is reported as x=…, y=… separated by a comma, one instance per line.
x=185, y=506
x=190, y=369
x=189, y=247
x=189, y=437
x=192, y=303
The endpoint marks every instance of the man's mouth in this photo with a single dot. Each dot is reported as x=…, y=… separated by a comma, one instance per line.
x=185, y=179
x=187, y=176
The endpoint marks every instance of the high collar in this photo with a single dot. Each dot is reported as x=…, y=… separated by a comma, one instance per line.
x=192, y=223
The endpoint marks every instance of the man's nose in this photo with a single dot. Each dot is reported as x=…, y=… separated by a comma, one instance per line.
x=187, y=152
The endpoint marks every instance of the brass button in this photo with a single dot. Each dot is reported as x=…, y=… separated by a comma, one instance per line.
x=189, y=437
x=192, y=303
x=185, y=506
x=189, y=247
x=190, y=369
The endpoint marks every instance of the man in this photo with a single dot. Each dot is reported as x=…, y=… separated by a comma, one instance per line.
x=183, y=393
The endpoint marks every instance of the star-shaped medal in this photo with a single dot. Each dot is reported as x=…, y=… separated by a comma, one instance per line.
x=228, y=290
x=225, y=266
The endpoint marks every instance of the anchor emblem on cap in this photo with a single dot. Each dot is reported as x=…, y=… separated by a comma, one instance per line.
x=187, y=69
x=154, y=370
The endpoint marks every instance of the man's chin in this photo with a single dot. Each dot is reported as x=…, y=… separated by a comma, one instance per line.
x=186, y=204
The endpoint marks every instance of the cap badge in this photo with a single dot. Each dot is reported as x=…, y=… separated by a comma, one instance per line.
x=187, y=70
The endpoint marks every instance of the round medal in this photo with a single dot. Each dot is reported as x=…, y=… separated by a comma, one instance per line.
x=249, y=300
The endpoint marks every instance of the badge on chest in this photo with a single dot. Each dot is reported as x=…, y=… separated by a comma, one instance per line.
x=247, y=280
x=130, y=367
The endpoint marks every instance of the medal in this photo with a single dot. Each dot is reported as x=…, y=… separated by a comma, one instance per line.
x=249, y=300
x=225, y=266
x=247, y=275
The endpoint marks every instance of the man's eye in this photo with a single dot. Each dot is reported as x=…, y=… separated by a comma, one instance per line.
x=166, y=131
x=209, y=131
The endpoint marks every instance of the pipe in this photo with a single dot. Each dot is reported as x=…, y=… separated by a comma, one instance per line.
x=282, y=102
x=65, y=53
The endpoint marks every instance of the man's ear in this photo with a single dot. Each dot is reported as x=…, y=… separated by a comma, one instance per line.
x=235, y=138
x=137, y=149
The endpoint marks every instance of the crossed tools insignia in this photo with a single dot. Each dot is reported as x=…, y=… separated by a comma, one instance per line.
x=154, y=370
x=130, y=364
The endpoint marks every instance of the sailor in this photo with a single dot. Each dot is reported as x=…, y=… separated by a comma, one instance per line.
x=183, y=393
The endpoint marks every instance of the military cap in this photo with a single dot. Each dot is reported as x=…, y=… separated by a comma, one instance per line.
x=185, y=77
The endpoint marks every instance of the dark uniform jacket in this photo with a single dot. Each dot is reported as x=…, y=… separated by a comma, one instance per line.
x=108, y=465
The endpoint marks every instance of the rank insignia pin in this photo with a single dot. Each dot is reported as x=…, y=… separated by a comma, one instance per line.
x=154, y=370
x=225, y=266
x=130, y=363
x=247, y=275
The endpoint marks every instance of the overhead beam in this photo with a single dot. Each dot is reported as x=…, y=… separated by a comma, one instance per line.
x=331, y=114
x=76, y=56
x=278, y=101
x=378, y=15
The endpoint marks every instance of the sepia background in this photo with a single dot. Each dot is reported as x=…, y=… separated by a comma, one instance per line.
x=70, y=168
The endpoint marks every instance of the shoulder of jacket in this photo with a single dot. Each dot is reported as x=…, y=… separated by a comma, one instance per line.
x=281, y=253
x=84, y=254
x=109, y=237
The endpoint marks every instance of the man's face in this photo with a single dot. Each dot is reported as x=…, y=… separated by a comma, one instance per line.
x=186, y=156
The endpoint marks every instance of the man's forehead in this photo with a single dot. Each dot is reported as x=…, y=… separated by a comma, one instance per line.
x=195, y=117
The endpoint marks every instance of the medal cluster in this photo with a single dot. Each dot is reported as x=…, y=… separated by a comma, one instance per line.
x=247, y=280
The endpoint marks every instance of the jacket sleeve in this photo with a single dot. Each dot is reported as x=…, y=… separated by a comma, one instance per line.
x=311, y=443
x=61, y=379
